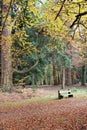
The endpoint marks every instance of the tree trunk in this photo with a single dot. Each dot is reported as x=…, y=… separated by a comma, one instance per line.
x=69, y=79
x=6, y=61
x=54, y=70
x=83, y=79
x=63, y=78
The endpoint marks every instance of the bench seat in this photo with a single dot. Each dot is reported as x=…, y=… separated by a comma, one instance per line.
x=64, y=94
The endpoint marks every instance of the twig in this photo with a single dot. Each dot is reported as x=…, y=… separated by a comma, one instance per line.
x=60, y=9
x=78, y=18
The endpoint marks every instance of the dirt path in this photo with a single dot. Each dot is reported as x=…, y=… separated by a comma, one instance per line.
x=66, y=114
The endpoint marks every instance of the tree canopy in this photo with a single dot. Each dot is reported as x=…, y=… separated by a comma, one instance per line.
x=38, y=34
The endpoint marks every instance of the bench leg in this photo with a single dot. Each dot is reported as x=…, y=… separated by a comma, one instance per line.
x=71, y=95
x=59, y=95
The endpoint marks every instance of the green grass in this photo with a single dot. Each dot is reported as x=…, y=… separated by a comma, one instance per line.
x=62, y=119
x=79, y=92
x=25, y=102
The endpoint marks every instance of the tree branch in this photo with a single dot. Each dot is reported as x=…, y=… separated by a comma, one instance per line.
x=40, y=2
x=78, y=18
x=26, y=71
x=60, y=9
x=83, y=25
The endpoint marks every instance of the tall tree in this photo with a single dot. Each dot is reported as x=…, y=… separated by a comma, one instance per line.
x=83, y=76
x=6, y=42
x=20, y=19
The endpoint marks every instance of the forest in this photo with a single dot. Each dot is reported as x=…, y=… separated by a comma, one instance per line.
x=43, y=45
x=43, y=42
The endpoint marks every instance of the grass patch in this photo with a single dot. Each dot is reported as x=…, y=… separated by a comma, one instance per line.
x=25, y=102
x=79, y=92
x=62, y=119
x=74, y=90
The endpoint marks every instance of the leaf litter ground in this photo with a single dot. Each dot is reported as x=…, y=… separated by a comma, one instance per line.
x=66, y=114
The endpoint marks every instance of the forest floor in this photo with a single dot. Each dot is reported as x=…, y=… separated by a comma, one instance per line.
x=65, y=114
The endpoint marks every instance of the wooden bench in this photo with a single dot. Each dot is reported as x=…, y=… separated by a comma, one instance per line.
x=64, y=94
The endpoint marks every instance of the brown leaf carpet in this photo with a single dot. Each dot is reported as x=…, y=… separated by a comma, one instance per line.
x=66, y=114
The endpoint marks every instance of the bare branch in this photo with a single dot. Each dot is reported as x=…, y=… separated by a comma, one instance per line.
x=83, y=25
x=74, y=32
x=26, y=71
x=60, y=9
x=78, y=18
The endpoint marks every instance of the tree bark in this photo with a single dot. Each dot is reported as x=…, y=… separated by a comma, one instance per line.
x=83, y=79
x=54, y=70
x=69, y=79
x=6, y=42
x=63, y=78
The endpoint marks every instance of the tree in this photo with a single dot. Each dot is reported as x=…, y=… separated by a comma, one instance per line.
x=6, y=42
x=83, y=76
x=25, y=54
x=12, y=18
x=59, y=58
